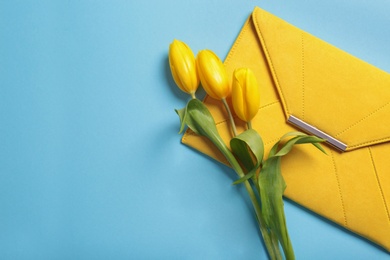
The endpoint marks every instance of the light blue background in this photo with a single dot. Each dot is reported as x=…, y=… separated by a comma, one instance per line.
x=91, y=164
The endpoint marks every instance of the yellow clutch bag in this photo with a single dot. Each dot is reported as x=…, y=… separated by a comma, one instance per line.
x=307, y=84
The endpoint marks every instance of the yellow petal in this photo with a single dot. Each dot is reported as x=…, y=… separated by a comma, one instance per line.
x=245, y=94
x=213, y=75
x=183, y=66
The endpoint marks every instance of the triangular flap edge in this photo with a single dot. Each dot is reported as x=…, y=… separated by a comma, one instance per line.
x=292, y=95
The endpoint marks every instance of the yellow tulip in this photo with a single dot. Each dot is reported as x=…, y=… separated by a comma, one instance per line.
x=213, y=75
x=183, y=67
x=245, y=94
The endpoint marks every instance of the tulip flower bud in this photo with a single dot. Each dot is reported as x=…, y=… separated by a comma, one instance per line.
x=183, y=67
x=213, y=75
x=245, y=94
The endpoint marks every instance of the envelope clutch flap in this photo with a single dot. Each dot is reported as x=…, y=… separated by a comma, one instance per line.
x=323, y=86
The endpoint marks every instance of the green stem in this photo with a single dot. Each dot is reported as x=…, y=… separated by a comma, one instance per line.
x=199, y=119
x=249, y=123
x=193, y=95
x=230, y=116
x=269, y=238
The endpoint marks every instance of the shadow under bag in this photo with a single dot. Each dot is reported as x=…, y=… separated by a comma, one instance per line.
x=308, y=84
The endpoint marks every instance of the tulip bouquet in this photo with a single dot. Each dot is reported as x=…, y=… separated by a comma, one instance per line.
x=261, y=177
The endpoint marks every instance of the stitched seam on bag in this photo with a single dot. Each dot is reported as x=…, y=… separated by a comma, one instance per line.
x=370, y=142
x=272, y=66
x=339, y=188
x=379, y=184
x=238, y=40
x=361, y=120
x=272, y=141
x=303, y=76
x=269, y=104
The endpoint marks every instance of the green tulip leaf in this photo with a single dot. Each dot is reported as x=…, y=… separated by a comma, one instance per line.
x=199, y=119
x=245, y=146
x=247, y=176
x=182, y=115
x=293, y=133
x=272, y=186
x=274, y=148
x=248, y=146
x=240, y=149
x=301, y=139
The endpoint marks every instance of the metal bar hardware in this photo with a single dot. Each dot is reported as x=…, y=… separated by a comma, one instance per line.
x=314, y=131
